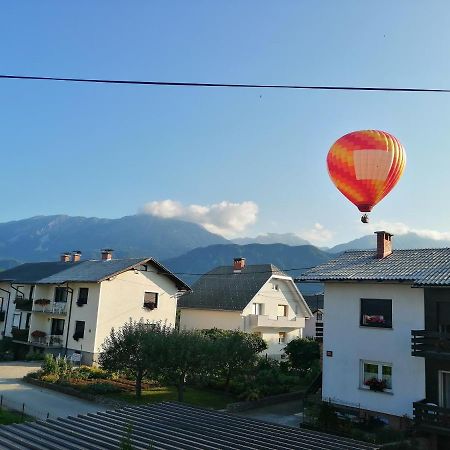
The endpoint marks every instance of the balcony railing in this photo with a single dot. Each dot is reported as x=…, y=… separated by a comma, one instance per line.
x=428, y=416
x=280, y=322
x=48, y=341
x=430, y=344
x=57, y=308
x=23, y=304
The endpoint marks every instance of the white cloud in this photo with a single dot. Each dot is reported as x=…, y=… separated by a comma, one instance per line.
x=224, y=218
x=400, y=228
x=318, y=235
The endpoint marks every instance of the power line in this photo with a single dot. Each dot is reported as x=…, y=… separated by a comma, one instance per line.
x=224, y=85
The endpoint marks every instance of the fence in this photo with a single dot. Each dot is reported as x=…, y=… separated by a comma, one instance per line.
x=23, y=409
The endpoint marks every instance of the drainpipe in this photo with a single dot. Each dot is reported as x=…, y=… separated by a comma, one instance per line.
x=7, y=308
x=70, y=290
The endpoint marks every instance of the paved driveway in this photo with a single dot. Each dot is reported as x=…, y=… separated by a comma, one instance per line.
x=39, y=402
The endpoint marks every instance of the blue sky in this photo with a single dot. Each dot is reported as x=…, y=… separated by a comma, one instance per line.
x=107, y=151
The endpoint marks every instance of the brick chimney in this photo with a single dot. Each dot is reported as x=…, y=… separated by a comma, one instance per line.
x=65, y=257
x=107, y=254
x=76, y=256
x=238, y=264
x=384, y=244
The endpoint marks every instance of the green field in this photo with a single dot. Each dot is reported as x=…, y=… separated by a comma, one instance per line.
x=7, y=417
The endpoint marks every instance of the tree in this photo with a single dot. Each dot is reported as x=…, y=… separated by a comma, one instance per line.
x=184, y=354
x=235, y=351
x=302, y=354
x=134, y=348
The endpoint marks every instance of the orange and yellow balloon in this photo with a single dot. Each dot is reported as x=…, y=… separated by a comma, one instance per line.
x=365, y=166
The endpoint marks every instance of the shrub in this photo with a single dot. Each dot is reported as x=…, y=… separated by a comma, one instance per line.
x=49, y=365
x=38, y=334
x=90, y=373
x=50, y=378
x=36, y=375
x=102, y=388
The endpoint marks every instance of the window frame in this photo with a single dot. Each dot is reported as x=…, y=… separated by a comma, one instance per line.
x=380, y=365
x=80, y=300
x=79, y=335
x=151, y=305
x=375, y=324
x=280, y=334
x=59, y=289
x=285, y=310
x=258, y=309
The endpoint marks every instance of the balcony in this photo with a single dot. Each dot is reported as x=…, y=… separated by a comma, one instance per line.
x=429, y=417
x=23, y=304
x=50, y=340
x=430, y=344
x=255, y=321
x=20, y=334
x=54, y=308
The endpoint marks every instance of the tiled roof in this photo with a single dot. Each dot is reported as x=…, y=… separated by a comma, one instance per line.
x=421, y=267
x=171, y=426
x=221, y=288
x=83, y=271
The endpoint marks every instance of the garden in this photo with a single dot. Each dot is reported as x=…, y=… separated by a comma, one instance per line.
x=146, y=362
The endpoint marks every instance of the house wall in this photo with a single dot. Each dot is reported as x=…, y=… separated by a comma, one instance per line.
x=276, y=291
x=351, y=343
x=122, y=298
x=204, y=319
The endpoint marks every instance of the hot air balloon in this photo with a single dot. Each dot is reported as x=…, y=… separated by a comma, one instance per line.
x=365, y=166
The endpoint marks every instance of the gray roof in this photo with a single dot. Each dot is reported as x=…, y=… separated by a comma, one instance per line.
x=221, y=288
x=420, y=267
x=89, y=271
x=171, y=426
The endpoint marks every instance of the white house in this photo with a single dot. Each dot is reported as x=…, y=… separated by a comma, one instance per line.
x=70, y=306
x=252, y=298
x=388, y=319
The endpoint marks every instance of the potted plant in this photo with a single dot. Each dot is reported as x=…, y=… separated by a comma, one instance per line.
x=38, y=334
x=42, y=301
x=376, y=385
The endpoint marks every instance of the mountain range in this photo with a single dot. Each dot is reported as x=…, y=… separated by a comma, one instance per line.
x=186, y=248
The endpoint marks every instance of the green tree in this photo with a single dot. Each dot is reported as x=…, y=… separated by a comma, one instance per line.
x=234, y=351
x=183, y=355
x=134, y=348
x=303, y=354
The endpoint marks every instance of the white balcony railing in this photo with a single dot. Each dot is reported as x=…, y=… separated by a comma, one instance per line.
x=48, y=341
x=57, y=308
x=279, y=322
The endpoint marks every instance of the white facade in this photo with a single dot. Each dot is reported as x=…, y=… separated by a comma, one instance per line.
x=277, y=312
x=351, y=343
x=110, y=303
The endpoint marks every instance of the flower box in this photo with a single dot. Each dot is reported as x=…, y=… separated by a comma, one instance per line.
x=42, y=301
x=376, y=385
x=38, y=334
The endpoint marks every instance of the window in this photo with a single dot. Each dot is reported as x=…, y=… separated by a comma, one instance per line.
x=82, y=296
x=151, y=300
x=60, y=294
x=275, y=287
x=282, y=311
x=257, y=309
x=27, y=320
x=319, y=316
x=57, y=327
x=376, y=372
x=79, y=330
x=281, y=337
x=376, y=313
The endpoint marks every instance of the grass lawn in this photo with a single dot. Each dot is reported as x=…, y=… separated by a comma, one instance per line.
x=193, y=396
x=8, y=417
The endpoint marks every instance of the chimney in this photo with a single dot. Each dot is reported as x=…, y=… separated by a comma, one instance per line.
x=384, y=244
x=238, y=264
x=65, y=257
x=76, y=256
x=107, y=254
